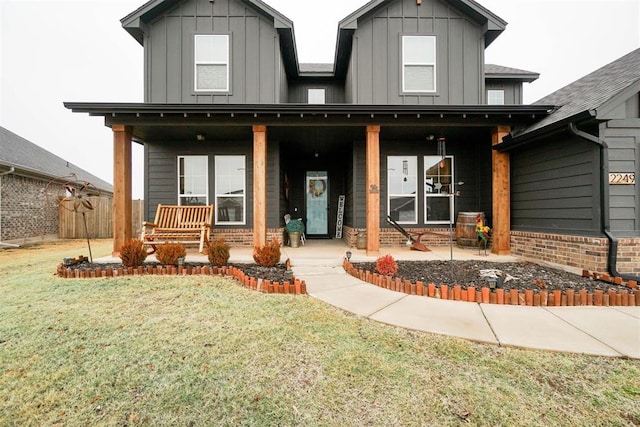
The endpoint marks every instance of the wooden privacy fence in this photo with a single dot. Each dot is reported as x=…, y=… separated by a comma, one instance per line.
x=99, y=220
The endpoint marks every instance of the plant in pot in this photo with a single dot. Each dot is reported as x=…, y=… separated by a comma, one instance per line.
x=294, y=228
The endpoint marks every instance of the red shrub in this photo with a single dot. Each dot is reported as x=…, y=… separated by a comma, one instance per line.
x=168, y=253
x=268, y=255
x=218, y=253
x=132, y=253
x=386, y=265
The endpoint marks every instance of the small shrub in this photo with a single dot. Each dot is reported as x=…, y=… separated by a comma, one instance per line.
x=218, y=253
x=268, y=255
x=168, y=253
x=386, y=265
x=132, y=253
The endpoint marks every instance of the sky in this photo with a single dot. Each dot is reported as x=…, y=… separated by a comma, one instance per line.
x=53, y=51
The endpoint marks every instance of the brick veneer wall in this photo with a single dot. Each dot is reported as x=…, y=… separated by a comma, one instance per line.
x=350, y=235
x=583, y=253
x=629, y=256
x=26, y=211
x=244, y=237
x=390, y=237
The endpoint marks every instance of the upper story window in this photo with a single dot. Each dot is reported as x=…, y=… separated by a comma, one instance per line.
x=193, y=181
x=419, y=64
x=315, y=96
x=495, y=97
x=211, y=63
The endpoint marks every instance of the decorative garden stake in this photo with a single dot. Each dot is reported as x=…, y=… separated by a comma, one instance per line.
x=75, y=195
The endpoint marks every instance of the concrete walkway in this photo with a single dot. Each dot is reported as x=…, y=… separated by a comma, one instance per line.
x=603, y=331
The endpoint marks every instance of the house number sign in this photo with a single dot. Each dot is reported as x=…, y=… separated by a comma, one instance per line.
x=628, y=178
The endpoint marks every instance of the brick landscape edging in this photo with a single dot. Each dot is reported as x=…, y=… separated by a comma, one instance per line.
x=626, y=297
x=294, y=286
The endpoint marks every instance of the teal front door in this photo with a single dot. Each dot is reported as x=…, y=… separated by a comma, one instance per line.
x=317, y=198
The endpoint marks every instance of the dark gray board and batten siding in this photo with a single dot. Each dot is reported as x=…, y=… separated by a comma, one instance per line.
x=555, y=187
x=162, y=172
x=374, y=73
x=512, y=90
x=257, y=67
x=472, y=165
x=623, y=139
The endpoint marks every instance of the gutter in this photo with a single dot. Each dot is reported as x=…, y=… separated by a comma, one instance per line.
x=510, y=142
x=10, y=171
x=612, y=256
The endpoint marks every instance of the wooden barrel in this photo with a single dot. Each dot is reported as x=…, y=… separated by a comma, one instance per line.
x=466, y=235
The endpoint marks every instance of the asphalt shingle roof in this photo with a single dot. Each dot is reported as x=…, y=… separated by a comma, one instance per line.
x=316, y=68
x=591, y=91
x=26, y=156
x=500, y=71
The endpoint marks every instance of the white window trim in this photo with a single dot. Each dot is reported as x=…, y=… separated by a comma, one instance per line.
x=431, y=195
x=390, y=194
x=434, y=64
x=495, y=91
x=317, y=90
x=196, y=63
x=244, y=194
x=206, y=173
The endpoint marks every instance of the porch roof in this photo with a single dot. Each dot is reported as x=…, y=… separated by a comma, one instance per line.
x=147, y=118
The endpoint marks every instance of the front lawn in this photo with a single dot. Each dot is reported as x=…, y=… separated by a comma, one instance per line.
x=159, y=350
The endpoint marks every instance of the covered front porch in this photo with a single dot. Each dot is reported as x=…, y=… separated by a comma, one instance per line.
x=286, y=144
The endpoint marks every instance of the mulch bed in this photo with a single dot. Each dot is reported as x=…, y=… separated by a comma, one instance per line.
x=275, y=279
x=519, y=283
x=277, y=273
x=526, y=275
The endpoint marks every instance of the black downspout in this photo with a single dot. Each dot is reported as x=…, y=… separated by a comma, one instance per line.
x=612, y=256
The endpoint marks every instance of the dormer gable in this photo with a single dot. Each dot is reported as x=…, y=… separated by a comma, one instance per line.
x=260, y=61
x=261, y=49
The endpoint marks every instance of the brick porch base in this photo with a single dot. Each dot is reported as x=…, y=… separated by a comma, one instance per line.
x=583, y=253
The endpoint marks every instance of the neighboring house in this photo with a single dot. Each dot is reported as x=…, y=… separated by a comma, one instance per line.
x=28, y=190
x=574, y=194
x=406, y=113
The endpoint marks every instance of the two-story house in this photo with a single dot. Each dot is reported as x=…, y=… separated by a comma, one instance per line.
x=402, y=124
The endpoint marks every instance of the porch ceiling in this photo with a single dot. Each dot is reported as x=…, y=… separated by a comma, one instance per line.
x=171, y=122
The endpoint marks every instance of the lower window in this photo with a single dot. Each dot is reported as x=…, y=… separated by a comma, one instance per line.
x=402, y=183
x=230, y=190
x=193, y=180
x=438, y=175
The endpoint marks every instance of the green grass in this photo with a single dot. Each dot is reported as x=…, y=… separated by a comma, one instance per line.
x=205, y=351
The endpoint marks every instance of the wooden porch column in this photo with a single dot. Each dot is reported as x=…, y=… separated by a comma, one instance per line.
x=501, y=233
x=373, y=190
x=122, y=217
x=259, y=185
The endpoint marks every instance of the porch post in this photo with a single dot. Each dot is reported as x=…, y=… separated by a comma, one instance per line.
x=373, y=190
x=259, y=185
x=122, y=217
x=501, y=233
